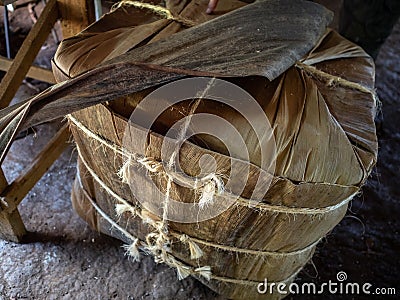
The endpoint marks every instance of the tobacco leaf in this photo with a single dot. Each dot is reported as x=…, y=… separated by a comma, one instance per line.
x=264, y=38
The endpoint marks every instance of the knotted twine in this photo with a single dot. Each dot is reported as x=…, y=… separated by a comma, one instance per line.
x=157, y=9
x=159, y=240
x=195, y=251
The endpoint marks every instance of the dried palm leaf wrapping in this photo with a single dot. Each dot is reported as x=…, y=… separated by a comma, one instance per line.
x=320, y=104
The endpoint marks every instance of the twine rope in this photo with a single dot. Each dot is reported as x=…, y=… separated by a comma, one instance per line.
x=182, y=269
x=157, y=9
x=156, y=166
x=126, y=207
x=332, y=80
x=161, y=235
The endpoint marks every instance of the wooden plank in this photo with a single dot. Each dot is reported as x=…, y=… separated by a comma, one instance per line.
x=18, y=189
x=33, y=72
x=27, y=53
x=11, y=226
x=75, y=15
x=5, y=2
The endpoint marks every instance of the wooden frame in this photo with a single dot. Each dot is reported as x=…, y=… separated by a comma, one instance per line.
x=33, y=72
x=75, y=15
x=6, y=2
x=27, y=53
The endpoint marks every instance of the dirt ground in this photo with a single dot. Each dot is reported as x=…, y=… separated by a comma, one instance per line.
x=64, y=259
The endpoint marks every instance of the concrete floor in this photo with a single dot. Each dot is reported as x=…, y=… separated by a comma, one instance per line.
x=64, y=259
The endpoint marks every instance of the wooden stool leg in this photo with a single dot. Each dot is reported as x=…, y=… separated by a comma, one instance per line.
x=11, y=226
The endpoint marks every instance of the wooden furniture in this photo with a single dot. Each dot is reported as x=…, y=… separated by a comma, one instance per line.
x=74, y=15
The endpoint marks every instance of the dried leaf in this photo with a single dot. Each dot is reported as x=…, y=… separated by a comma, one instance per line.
x=280, y=33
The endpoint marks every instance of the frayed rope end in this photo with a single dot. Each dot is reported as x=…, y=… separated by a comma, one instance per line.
x=125, y=172
x=181, y=270
x=132, y=250
x=214, y=185
x=204, y=272
x=195, y=250
x=120, y=209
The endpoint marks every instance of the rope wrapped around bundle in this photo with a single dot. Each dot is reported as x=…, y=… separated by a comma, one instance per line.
x=316, y=92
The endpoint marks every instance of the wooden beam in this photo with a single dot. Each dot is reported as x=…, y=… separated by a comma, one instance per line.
x=11, y=226
x=6, y=2
x=75, y=16
x=34, y=72
x=17, y=190
x=27, y=53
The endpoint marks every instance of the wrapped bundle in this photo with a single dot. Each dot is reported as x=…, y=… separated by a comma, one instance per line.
x=315, y=89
